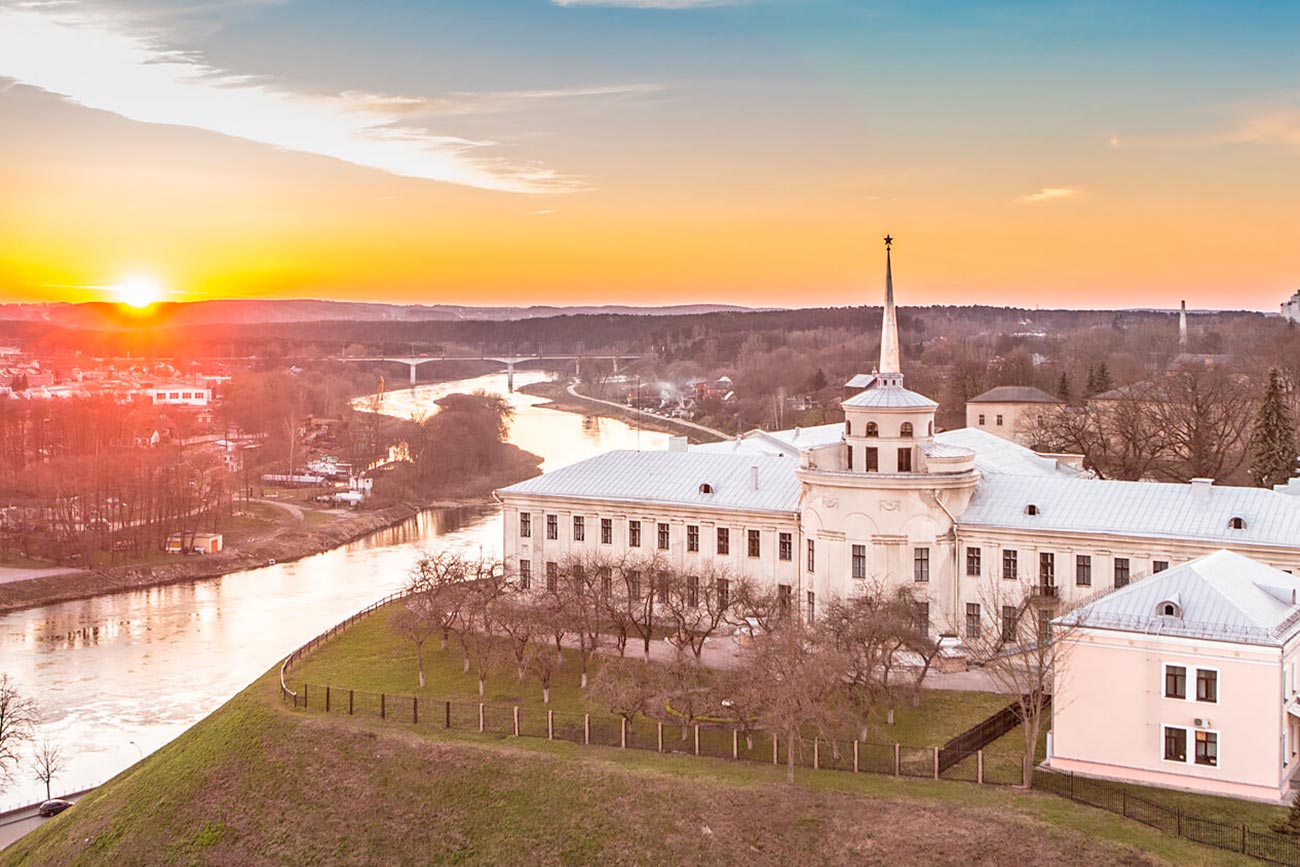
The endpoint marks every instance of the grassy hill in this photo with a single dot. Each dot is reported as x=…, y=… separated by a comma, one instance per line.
x=258, y=783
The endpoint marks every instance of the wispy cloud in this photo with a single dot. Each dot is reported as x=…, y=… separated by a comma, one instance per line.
x=488, y=102
x=1280, y=127
x=651, y=4
x=1048, y=194
x=93, y=61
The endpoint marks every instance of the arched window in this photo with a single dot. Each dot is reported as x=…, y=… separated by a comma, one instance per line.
x=1236, y=523
x=873, y=430
x=906, y=430
x=1031, y=509
x=848, y=427
x=706, y=488
x=1167, y=609
x=929, y=431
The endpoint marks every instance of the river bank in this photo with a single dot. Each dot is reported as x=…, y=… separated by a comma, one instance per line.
x=565, y=399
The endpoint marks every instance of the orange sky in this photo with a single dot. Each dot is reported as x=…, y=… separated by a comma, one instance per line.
x=650, y=179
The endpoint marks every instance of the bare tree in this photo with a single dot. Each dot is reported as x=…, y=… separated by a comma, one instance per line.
x=583, y=585
x=1205, y=412
x=483, y=594
x=1022, y=653
x=517, y=617
x=685, y=680
x=623, y=686
x=47, y=763
x=440, y=579
x=544, y=659
x=696, y=605
x=18, y=718
x=414, y=623
x=792, y=680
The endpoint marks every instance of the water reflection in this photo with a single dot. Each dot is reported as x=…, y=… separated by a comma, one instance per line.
x=142, y=666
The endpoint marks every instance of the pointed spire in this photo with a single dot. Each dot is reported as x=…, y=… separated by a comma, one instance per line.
x=1182, y=325
x=889, y=356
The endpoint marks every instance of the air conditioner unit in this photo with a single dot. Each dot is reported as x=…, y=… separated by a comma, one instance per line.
x=1201, y=723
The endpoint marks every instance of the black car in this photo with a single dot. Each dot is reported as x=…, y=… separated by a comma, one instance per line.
x=53, y=807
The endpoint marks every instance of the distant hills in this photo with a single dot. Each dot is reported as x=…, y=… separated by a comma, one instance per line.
x=96, y=314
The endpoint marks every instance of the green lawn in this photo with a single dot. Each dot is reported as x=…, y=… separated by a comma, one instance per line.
x=371, y=657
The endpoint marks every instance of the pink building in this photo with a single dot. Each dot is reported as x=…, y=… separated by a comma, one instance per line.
x=1186, y=679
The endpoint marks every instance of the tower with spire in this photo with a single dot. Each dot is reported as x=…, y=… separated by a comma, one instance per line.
x=890, y=364
x=1182, y=325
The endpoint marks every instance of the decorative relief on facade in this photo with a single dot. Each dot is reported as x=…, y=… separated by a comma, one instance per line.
x=890, y=505
x=831, y=502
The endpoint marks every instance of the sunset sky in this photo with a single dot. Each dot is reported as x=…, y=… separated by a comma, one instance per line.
x=1076, y=154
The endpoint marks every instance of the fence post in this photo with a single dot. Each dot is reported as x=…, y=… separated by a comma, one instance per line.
x=350, y=701
x=774, y=749
x=1123, y=805
x=415, y=710
x=817, y=753
x=517, y=720
x=622, y=732
x=304, y=694
x=482, y=727
x=936, y=763
x=1243, y=839
x=1071, y=785
x=586, y=729
x=735, y=743
x=979, y=766
x=448, y=715
x=383, y=705
x=697, y=739
x=327, y=699
x=855, y=755
x=1179, y=813
x=660, y=734
x=550, y=725
x=898, y=759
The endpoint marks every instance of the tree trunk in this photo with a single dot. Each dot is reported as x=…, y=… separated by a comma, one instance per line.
x=546, y=695
x=465, y=667
x=584, y=675
x=419, y=657
x=481, y=681
x=789, y=756
x=890, y=717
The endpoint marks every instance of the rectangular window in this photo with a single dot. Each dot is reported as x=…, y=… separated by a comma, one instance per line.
x=1009, y=565
x=783, y=598
x=1083, y=570
x=1009, y=618
x=552, y=576
x=552, y=527
x=1207, y=685
x=812, y=606
x=872, y=463
x=661, y=588
x=606, y=531
x=982, y=422
x=579, y=528
x=905, y=460
x=1207, y=748
x=859, y=561
x=1175, y=681
x=692, y=538
x=812, y=556
x=849, y=455
x=525, y=525
x=634, y=584
x=634, y=534
x=525, y=574
x=784, y=546
x=692, y=590
x=921, y=564
x=999, y=420
x=1159, y=565
x=663, y=537
x=972, y=620
x=1175, y=744
x=973, y=561
x=723, y=587
x=1046, y=569
x=1121, y=572
x=724, y=540
x=754, y=543
x=606, y=582
x=921, y=617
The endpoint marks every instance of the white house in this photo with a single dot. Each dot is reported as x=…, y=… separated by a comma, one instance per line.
x=178, y=394
x=1187, y=679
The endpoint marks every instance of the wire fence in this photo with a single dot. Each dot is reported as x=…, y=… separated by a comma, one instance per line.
x=1265, y=845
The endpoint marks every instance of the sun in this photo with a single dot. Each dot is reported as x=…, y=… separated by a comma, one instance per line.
x=138, y=292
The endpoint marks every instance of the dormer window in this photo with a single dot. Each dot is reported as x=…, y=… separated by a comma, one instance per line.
x=706, y=488
x=1236, y=523
x=906, y=430
x=1031, y=509
x=873, y=429
x=1168, y=609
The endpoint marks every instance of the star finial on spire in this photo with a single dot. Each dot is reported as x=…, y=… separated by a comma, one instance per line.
x=889, y=239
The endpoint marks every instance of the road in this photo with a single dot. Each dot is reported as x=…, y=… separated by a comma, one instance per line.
x=24, y=820
x=573, y=391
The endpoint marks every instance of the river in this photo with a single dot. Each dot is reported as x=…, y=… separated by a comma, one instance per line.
x=117, y=676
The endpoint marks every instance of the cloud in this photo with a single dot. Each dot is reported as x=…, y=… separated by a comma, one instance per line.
x=487, y=102
x=1048, y=194
x=92, y=61
x=1276, y=127
x=650, y=4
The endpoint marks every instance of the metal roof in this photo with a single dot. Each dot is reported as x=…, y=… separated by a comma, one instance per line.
x=1014, y=394
x=939, y=449
x=781, y=442
x=890, y=397
x=1224, y=596
x=997, y=456
x=861, y=380
x=1152, y=509
x=674, y=478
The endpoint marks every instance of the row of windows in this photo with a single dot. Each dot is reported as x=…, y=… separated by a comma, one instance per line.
x=1205, y=746
x=873, y=429
x=1207, y=683
x=982, y=422
x=663, y=536
x=1011, y=615
x=871, y=456
x=1047, y=567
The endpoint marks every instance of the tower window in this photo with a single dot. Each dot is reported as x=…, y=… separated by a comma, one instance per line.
x=905, y=430
x=873, y=429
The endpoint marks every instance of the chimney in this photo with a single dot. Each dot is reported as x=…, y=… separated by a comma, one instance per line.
x=1201, y=487
x=753, y=477
x=1182, y=325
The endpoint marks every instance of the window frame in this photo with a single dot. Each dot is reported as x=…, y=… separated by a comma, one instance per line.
x=754, y=544
x=870, y=459
x=1127, y=570
x=974, y=561
x=525, y=574
x=579, y=528
x=634, y=534
x=607, y=531
x=692, y=538
x=1164, y=679
x=1195, y=757
x=1165, y=730
x=525, y=525
x=1196, y=694
x=905, y=459
x=858, y=557
x=724, y=541
x=552, y=527
x=663, y=536
x=812, y=556
x=1011, y=557
x=785, y=546
x=921, y=564
x=1083, y=570
x=973, y=611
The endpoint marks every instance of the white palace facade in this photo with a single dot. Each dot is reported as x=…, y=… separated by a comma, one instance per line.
x=819, y=512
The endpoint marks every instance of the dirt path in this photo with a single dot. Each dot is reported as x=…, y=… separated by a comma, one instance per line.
x=573, y=392
x=295, y=511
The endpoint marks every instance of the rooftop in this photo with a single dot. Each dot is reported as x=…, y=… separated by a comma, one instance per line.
x=1222, y=596
x=1014, y=394
x=890, y=397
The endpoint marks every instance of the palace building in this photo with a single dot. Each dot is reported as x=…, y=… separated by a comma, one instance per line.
x=817, y=512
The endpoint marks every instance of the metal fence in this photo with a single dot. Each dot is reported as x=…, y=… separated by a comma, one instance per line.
x=1117, y=798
